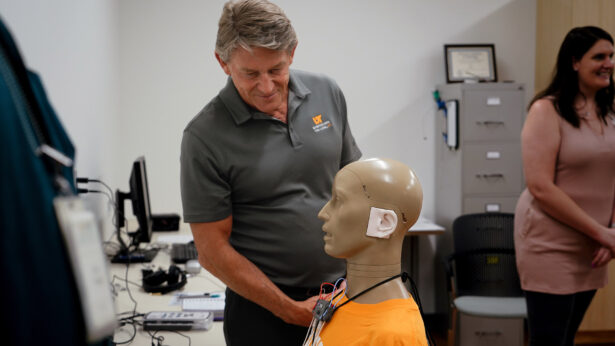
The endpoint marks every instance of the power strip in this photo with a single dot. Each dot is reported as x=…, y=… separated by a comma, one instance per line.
x=178, y=320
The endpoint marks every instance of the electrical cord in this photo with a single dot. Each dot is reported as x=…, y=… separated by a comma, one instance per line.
x=324, y=312
x=160, y=339
x=126, y=247
x=318, y=323
x=369, y=289
x=111, y=204
x=131, y=319
x=85, y=180
x=115, y=277
x=81, y=190
x=417, y=298
x=132, y=337
x=134, y=309
x=88, y=180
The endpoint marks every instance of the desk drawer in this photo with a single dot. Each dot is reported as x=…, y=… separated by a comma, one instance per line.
x=492, y=115
x=492, y=168
x=480, y=331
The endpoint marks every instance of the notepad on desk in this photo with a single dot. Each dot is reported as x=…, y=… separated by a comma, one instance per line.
x=213, y=303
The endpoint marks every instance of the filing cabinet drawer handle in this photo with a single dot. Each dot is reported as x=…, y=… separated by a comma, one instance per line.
x=489, y=122
x=492, y=175
x=490, y=333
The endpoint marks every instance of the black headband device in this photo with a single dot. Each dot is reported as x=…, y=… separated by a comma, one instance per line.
x=163, y=282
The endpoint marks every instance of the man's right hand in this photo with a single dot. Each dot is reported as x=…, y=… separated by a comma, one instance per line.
x=303, y=315
x=301, y=312
x=218, y=257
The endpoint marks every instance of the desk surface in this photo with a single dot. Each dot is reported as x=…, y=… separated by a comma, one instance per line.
x=146, y=302
x=424, y=226
x=203, y=282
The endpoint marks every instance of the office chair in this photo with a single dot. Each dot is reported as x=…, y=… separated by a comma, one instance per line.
x=487, y=303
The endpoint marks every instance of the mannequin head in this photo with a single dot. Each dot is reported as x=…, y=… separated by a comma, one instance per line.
x=373, y=204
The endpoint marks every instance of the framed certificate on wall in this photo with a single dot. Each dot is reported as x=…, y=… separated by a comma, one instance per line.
x=470, y=62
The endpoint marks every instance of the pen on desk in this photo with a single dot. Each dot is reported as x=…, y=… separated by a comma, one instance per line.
x=204, y=295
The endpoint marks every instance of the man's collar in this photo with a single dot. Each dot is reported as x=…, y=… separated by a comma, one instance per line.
x=297, y=86
x=241, y=112
x=234, y=103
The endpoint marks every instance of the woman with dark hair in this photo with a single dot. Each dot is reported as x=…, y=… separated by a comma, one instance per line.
x=564, y=232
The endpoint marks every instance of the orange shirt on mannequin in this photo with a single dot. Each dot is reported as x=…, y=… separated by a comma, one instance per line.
x=391, y=322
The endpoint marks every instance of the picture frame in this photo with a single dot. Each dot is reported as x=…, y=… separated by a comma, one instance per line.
x=470, y=63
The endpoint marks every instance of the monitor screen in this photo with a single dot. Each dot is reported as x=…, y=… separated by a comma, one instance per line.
x=139, y=196
x=139, y=200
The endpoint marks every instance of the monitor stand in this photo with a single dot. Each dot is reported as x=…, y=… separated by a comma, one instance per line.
x=135, y=256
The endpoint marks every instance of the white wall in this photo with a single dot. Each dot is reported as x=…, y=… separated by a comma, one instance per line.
x=73, y=45
x=126, y=77
x=387, y=56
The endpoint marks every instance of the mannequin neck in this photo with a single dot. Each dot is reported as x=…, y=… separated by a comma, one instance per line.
x=360, y=277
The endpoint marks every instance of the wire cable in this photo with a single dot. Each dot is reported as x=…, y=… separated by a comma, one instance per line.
x=417, y=298
x=80, y=190
x=88, y=180
x=122, y=279
x=131, y=319
x=318, y=322
x=111, y=205
x=160, y=338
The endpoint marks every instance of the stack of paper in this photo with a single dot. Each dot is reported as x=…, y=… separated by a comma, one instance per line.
x=214, y=303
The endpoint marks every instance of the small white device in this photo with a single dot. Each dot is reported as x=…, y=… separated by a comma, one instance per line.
x=193, y=267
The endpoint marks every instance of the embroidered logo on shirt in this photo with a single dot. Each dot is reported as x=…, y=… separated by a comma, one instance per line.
x=320, y=124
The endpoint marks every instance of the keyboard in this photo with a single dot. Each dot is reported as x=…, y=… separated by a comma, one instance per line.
x=135, y=256
x=183, y=252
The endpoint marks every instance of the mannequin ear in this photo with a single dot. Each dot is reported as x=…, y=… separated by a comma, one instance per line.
x=382, y=223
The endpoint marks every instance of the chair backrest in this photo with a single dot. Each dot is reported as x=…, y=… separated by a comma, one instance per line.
x=484, y=258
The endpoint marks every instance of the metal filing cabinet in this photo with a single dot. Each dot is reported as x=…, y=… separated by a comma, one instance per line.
x=484, y=173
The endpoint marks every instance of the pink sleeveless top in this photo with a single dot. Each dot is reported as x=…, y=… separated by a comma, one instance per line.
x=551, y=256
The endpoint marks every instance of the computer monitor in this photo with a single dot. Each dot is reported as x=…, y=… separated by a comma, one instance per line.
x=139, y=196
x=139, y=199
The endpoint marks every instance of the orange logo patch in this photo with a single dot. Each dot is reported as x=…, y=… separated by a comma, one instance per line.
x=320, y=124
x=317, y=119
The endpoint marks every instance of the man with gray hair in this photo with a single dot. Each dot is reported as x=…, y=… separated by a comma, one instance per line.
x=257, y=164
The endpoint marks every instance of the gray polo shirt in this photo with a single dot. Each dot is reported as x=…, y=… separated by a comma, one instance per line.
x=272, y=177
